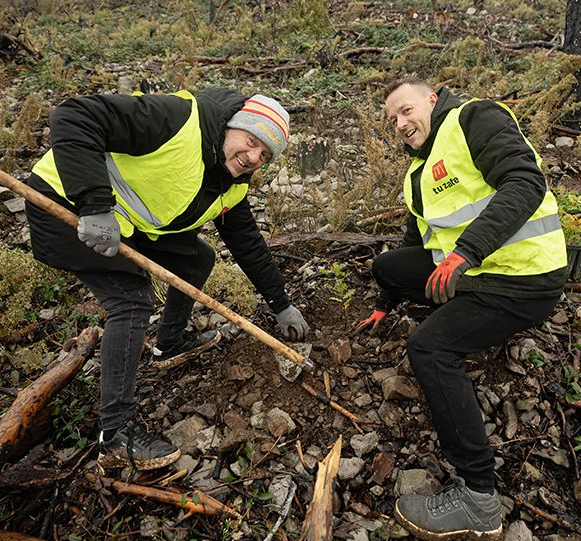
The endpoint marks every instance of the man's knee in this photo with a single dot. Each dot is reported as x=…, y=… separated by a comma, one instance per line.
x=206, y=256
x=381, y=266
x=419, y=351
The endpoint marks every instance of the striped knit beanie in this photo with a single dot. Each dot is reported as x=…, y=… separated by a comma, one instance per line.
x=266, y=119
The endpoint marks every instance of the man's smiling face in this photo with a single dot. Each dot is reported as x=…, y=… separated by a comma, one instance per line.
x=244, y=152
x=409, y=108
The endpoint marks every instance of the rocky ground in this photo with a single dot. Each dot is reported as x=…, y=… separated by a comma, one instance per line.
x=253, y=440
x=250, y=438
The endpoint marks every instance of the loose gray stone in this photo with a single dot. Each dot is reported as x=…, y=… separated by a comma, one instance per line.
x=399, y=387
x=363, y=400
x=511, y=419
x=518, y=531
x=340, y=350
x=416, y=482
x=186, y=462
x=207, y=438
x=380, y=375
x=350, y=467
x=279, y=422
x=125, y=84
x=15, y=205
x=183, y=433
x=564, y=142
x=364, y=443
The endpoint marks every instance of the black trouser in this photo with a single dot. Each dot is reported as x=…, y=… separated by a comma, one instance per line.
x=469, y=323
x=129, y=301
x=126, y=293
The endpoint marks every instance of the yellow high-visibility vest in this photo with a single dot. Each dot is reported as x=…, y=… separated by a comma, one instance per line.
x=454, y=193
x=154, y=189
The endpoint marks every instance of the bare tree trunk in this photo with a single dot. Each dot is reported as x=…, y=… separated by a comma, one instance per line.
x=572, y=44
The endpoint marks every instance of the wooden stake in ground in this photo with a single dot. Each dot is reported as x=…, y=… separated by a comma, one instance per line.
x=195, y=502
x=17, y=423
x=318, y=525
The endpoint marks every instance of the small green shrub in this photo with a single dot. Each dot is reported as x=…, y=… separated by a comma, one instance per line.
x=336, y=277
x=569, y=205
x=20, y=277
x=572, y=379
x=228, y=283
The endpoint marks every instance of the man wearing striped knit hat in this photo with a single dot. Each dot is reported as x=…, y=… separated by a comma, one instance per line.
x=150, y=170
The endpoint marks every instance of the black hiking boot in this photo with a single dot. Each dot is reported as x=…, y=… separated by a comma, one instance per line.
x=133, y=446
x=457, y=513
x=194, y=343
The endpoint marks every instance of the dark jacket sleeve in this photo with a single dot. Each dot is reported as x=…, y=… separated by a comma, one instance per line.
x=508, y=164
x=83, y=129
x=412, y=235
x=240, y=233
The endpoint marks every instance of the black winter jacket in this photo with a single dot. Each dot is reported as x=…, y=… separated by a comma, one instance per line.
x=83, y=129
x=508, y=164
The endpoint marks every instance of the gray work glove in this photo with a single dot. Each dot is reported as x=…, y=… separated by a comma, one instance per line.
x=100, y=232
x=292, y=318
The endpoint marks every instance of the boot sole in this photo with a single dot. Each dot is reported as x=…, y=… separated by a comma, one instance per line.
x=111, y=461
x=458, y=535
x=180, y=359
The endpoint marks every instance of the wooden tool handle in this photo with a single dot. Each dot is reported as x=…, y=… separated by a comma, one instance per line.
x=163, y=274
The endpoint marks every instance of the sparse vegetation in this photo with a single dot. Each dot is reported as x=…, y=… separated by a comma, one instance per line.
x=329, y=61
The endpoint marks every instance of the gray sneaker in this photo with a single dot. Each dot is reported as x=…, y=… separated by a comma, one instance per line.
x=133, y=446
x=457, y=512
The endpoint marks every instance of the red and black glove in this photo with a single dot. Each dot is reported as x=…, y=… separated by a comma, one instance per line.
x=371, y=322
x=441, y=285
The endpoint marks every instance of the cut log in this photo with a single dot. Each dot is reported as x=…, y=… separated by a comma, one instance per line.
x=318, y=525
x=17, y=423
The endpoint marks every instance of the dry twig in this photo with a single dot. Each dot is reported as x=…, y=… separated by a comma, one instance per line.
x=197, y=502
x=547, y=516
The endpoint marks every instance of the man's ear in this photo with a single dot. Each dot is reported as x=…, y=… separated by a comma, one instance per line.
x=433, y=99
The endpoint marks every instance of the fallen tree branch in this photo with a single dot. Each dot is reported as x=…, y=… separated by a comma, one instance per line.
x=379, y=50
x=9, y=44
x=343, y=238
x=527, y=44
x=193, y=502
x=566, y=130
x=17, y=423
x=275, y=69
x=320, y=396
x=519, y=500
x=573, y=286
x=318, y=525
x=386, y=214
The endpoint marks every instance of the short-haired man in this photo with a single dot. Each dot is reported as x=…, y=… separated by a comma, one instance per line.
x=153, y=169
x=485, y=247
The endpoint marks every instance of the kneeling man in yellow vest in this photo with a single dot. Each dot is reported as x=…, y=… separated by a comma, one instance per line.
x=484, y=248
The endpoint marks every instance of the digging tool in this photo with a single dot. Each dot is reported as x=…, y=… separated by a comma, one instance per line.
x=300, y=361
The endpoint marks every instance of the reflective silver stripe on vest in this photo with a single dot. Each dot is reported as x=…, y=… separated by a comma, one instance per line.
x=535, y=228
x=128, y=195
x=462, y=215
